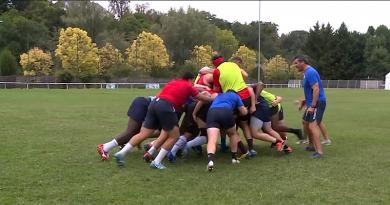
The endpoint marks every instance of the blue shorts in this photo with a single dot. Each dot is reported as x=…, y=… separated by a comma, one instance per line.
x=138, y=109
x=317, y=114
x=262, y=112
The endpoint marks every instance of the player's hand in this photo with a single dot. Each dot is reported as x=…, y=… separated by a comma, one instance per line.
x=275, y=103
x=310, y=110
x=252, y=109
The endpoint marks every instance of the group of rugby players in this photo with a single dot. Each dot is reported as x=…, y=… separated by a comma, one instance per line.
x=216, y=104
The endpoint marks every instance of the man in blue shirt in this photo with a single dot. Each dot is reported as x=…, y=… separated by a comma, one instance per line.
x=315, y=102
x=221, y=116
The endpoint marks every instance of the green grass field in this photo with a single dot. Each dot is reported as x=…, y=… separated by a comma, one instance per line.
x=48, y=155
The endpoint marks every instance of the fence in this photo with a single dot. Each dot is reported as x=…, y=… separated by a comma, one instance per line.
x=360, y=84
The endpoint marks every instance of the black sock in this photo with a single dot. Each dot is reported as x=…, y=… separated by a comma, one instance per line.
x=210, y=157
x=250, y=143
x=234, y=155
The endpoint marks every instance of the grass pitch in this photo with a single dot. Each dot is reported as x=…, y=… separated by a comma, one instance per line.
x=48, y=155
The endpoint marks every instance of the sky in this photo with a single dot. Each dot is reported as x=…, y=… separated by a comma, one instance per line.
x=289, y=15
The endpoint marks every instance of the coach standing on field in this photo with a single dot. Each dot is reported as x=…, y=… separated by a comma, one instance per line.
x=315, y=102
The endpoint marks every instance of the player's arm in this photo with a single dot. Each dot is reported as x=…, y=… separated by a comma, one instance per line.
x=244, y=74
x=316, y=93
x=196, y=109
x=252, y=109
x=201, y=87
x=242, y=110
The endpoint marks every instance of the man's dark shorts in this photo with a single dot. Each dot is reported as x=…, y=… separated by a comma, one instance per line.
x=138, y=109
x=317, y=114
x=222, y=118
x=161, y=113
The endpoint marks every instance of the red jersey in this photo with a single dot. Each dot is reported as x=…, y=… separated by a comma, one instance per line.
x=177, y=92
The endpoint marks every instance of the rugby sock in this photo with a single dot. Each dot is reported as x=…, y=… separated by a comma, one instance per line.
x=161, y=156
x=152, y=150
x=109, y=145
x=199, y=140
x=127, y=148
x=210, y=157
x=250, y=143
x=181, y=142
x=234, y=155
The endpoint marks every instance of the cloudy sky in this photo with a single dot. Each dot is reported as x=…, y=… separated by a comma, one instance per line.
x=289, y=15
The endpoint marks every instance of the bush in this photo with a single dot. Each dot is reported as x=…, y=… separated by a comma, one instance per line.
x=87, y=77
x=8, y=64
x=120, y=71
x=65, y=76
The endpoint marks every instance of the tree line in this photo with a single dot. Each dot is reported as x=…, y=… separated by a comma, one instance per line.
x=81, y=40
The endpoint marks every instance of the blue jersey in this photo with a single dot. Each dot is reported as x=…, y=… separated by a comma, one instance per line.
x=311, y=77
x=228, y=100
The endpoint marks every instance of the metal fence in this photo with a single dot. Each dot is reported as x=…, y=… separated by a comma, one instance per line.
x=358, y=84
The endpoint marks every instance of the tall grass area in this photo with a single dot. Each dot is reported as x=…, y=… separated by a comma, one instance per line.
x=48, y=155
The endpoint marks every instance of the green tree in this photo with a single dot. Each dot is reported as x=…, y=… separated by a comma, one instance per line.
x=87, y=15
x=181, y=31
x=8, y=65
x=148, y=52
x=319, y=47
x=77, y=52
x=377, y=53
x=226, y=43
x=293, y=43
x=19, y=34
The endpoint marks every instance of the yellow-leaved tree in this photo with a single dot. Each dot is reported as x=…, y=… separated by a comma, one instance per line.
x=109, y=57
x=36, y=62
x=77, y=52
x=201, y=56
x=148, y=52
x=248, y=57
x=277, y=68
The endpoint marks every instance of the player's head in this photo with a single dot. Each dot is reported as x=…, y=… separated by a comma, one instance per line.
x=187, y=76
x=217, y=60
x=237, y=60
x=300, y=62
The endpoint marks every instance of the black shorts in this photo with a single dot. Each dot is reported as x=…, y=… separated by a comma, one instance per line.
x=222, y=118
x=161, y=114
x=138, y=109
x=275, y=110
x=202, y=113
x=247, y=103
x=318, y=113
x=188, y=124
